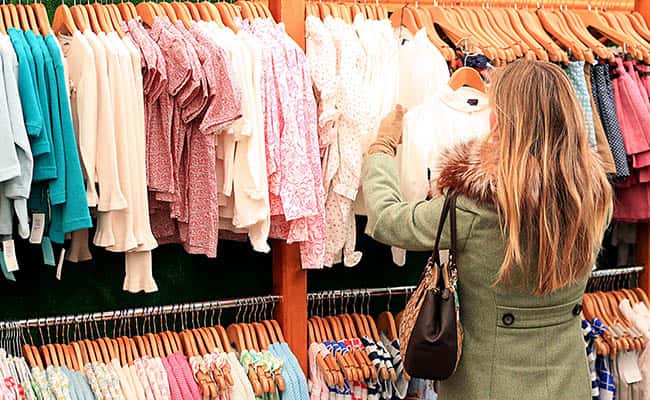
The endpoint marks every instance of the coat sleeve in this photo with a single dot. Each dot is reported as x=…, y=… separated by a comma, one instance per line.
x=409, y=225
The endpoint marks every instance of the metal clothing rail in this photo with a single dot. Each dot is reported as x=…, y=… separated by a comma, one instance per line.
x=616, y=271
x=140, y=312
x=371, y=292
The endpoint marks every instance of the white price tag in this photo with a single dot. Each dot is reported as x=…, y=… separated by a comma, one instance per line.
x=10, y=255
x=628, y=367
x=59, y=265
x=38, y=228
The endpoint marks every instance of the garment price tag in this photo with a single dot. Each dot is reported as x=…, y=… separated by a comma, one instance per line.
x=38, y=227
x=59, y=266
x=9, y=251
x=48, y=252
x=628, y=367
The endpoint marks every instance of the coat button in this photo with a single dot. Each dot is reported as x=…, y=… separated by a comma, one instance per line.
x=508, y=319
x=577, y=309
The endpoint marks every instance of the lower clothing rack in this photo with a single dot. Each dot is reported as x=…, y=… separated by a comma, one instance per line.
x=141, y=312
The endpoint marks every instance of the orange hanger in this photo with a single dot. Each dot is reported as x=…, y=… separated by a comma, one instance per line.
x=596, y=22
x=518, y=27
x=226, y=18
x=575, y=24
x=22, y=17
x=13, y=12
x=80, y=17
x=63, y=22
x=484, y=21
x=146, y=13
x=532, y=24
x=92, y=17
x=323, y=10
x=125, y=11
x=193, y=8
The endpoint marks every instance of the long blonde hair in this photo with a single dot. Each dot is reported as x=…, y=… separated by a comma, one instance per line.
x=553, y=195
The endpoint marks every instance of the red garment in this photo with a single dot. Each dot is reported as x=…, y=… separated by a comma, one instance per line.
x=632, y=113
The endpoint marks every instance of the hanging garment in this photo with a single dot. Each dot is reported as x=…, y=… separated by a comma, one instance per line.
x=601, y=139
x=576, y=72
x=604, y=98
x=442, y=121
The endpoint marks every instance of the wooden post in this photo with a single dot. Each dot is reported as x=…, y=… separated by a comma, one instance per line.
x=643, y=254
x=290, y=282
x=643, y=236
x=292, y=14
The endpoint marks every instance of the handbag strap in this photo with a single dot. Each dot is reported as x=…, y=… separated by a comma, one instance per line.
x=449, y=207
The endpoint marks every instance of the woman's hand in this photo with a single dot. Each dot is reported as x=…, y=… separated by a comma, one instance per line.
x=390, y=133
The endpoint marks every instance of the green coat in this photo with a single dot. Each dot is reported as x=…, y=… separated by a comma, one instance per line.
x=516, y=346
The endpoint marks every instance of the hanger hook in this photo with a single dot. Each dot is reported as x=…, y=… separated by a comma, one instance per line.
x=390, y=295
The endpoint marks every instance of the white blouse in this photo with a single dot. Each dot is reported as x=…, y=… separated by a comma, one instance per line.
x=442, y=121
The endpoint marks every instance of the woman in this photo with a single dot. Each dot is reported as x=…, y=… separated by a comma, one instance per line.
x=532, y=208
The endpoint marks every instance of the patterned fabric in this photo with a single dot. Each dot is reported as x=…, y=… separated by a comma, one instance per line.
x=41, y=381
x=576, y=72
x=141, y=372
x=603, y=92
x=31, y=390
x=590, y=337
x=58, y=383
x=321, y=55
x=187, y=383
x=93, y=381
x=293, y=159
x=400, y=386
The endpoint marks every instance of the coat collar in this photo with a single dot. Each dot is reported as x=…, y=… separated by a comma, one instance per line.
x=470, y=169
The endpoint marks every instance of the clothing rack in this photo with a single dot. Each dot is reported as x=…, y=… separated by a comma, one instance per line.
x=140, y=312
x=616, y=271
x=362, y=293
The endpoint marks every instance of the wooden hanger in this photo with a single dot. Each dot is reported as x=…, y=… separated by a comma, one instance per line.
x=465, y=23
x=114, y=18
x=472, y=23
x=23, y=23
x=639, y=24
x=125, y=11
x=13, y=13
x=236, y=337
x=386, y=324
x=595, y=22
x=80, y=17
x=92, y=17
x=577, y=27
x=193, y=8
x=102, y=18
x=146, y=13
x=551, y=24
x=518, y=27
x=226, y=18
x=483, y=18
x=214, y=13
x=63, y=22
x=31, y=19
x=323, y=10
x=182, y=13
x=534, y=27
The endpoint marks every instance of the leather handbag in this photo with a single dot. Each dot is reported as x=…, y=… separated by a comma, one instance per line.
x=431, y=334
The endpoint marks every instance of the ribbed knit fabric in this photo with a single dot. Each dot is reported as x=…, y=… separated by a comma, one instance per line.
x=186, y=374
x=174, y=386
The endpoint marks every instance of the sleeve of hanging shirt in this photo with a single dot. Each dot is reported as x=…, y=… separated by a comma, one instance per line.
x=18, y=188
x=75, y=210
x=31, y=109
x=9, y=164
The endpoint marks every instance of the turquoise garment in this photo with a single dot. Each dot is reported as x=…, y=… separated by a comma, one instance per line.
x=27, y=88
x=57, y=186
x=73, y=214
x=576, y=72
x=44, y=161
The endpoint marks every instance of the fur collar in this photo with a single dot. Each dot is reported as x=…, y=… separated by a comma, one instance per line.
x=470, y=169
